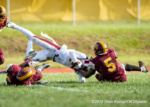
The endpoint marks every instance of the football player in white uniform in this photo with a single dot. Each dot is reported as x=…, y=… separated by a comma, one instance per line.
x=52, y=51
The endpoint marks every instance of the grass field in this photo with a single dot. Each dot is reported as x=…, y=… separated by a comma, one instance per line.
x=65, y=91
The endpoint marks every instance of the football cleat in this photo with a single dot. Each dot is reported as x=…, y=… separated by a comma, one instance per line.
x=10, y=24
x=30, y=55
x=143, y=67
x=42, y=67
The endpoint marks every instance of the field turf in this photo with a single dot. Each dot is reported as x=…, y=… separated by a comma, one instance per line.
x=65, y=91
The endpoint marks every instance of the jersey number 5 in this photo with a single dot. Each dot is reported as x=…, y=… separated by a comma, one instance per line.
x=110, y=65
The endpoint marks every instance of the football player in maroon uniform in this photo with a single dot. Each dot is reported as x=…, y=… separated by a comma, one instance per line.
x=107, y=66
x=22, y=74
x=3, y=20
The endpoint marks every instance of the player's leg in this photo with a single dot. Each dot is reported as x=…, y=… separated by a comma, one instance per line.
x=39, y=41
x=41, y=56
x=30, y=53
x=28, y=33
x=45, y=44
x=141, y=67
x=29, y=47
x=81, y=78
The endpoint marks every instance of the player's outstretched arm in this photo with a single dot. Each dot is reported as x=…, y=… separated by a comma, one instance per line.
x=87, y=73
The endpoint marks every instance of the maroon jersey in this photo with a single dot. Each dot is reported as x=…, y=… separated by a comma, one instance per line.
x=1, y=56
x=11, y=77
x=108, y=67
x=3, y=23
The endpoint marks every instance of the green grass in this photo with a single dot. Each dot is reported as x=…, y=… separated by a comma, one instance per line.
x=65, y=91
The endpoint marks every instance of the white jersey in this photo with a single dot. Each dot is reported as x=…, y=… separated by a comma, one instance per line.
x=68, y=56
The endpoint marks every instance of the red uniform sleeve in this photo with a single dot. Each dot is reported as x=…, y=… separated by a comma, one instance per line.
x=26, y=62
x=94, y=60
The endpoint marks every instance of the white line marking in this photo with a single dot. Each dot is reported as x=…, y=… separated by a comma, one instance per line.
x=60, y=88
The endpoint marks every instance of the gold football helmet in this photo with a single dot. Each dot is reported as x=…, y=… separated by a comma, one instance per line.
x=2, y=13
x=100, y=48
x=25, y=74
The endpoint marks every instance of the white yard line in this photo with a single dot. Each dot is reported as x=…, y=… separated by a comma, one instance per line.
x=60, y=88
